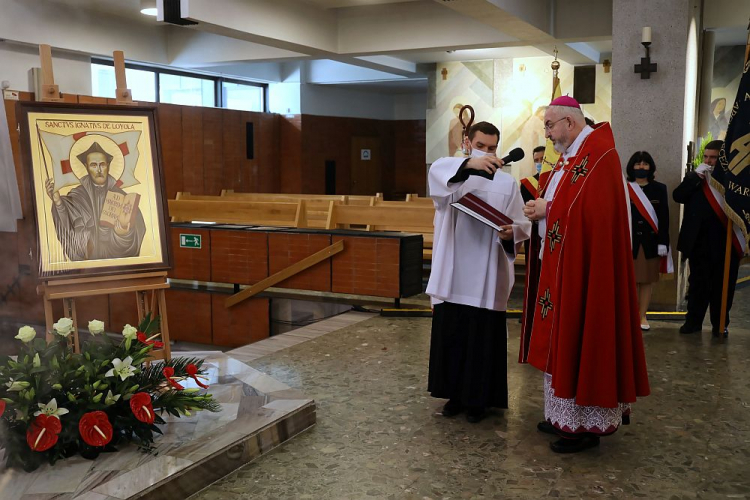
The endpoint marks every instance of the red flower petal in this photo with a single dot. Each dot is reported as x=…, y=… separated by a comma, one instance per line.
x=142, y=408
x=175, y=384
x=168, y=372
x=192, y=370
x=95, y=428
x=42, y=433
x=2, y=407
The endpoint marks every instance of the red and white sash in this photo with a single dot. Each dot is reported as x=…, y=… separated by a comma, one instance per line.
x=716, y=200
x=646, y=209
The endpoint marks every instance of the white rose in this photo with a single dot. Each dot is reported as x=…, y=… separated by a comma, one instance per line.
x=96, y=327
x=129, y=332
x=26, y=334
x=63, y=327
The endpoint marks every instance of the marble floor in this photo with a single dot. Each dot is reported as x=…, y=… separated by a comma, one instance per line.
x=258, y=413
x=379, y=434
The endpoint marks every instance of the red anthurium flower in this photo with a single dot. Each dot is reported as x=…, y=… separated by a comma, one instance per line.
x=143, y=340
x=169, y=373
x=42, y=433
x=95, y=428
x=192, y=370
x=140, y=403
x=2, y=407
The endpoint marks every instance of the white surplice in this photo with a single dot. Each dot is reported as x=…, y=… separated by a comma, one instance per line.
x=469, y=263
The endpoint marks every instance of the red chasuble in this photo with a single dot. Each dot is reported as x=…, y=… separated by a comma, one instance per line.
x=586, y=330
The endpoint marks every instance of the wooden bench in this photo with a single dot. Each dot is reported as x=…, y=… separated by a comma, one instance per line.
x=236, y=212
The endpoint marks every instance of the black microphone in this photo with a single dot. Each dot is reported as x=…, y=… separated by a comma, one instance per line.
x=515, y=155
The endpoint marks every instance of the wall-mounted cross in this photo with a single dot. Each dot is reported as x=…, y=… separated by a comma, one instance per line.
x=444, y=73
x=646, y=67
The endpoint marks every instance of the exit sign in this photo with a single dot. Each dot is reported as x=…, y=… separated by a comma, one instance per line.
x=190, y=241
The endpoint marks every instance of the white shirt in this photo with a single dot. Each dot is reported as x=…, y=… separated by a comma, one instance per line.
x=469, y=264
x=557, y=175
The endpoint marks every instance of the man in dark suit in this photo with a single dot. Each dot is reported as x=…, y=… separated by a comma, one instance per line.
x=702, y=241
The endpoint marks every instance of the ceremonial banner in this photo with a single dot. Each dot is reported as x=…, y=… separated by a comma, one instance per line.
x=97, y=188
x=732, y=177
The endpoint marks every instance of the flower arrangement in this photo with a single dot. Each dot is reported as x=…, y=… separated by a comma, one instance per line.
x=55, y=403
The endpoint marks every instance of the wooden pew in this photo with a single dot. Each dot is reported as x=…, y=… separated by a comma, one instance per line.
x=237, y=212
x=346, y=199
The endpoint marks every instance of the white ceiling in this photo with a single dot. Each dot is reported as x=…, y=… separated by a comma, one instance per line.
x=335, y=4
x=410, y=86
x=471, y=54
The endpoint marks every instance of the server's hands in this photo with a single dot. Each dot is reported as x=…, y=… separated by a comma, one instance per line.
x=506, y=232
x=489, y=164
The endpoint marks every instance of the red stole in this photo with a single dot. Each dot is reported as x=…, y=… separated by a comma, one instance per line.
x=717, y=204
x=586, y=330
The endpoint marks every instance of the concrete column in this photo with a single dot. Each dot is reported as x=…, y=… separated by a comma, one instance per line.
x=657, y=115
x=707, y=77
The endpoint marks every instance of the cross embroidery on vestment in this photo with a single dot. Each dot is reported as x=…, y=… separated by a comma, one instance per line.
x=580, y=170
x=554, y=236
x=546, y=303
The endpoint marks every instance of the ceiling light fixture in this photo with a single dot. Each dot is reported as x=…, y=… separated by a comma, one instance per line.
x=148, y=7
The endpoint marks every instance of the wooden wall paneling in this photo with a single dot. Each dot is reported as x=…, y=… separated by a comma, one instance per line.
x=123, y=310
x=285, y=249
x=27, y=226
x=239, y=325
x=87, y=99
x=170, y=137
x=410, y=171
x=96, y=307
x=9, y=308
x=267, y=167
x=235, y=162
x=192, y=150
x=386, y=133
x=367, y=266
x=213, y=150
x=238, y=256
x=189, y=315
x=290, y=154
x=191, y=263
x=29, y=306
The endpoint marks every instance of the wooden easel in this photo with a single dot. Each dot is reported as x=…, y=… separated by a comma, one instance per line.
x=50, y=92
x=68, y=290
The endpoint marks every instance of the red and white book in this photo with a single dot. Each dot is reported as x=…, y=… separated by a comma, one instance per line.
x=482, y=211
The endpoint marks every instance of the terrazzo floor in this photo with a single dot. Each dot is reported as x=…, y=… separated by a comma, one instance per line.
x=379, y=434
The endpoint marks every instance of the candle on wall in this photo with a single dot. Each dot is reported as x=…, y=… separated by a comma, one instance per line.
x=646, y=37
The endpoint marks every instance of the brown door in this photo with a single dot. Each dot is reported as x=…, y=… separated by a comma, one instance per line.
x=366, y=177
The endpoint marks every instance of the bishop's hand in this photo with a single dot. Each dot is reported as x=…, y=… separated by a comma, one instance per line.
x=535, y=210
x=488, y=164
x=49, y=186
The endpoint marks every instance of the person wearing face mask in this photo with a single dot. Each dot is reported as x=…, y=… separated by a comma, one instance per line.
x=471, y=278
x=585, y=335
x=528, y=186
x=649, y=209
x=702, y=242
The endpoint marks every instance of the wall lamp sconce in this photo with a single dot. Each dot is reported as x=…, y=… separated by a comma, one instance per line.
x=646, y=67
